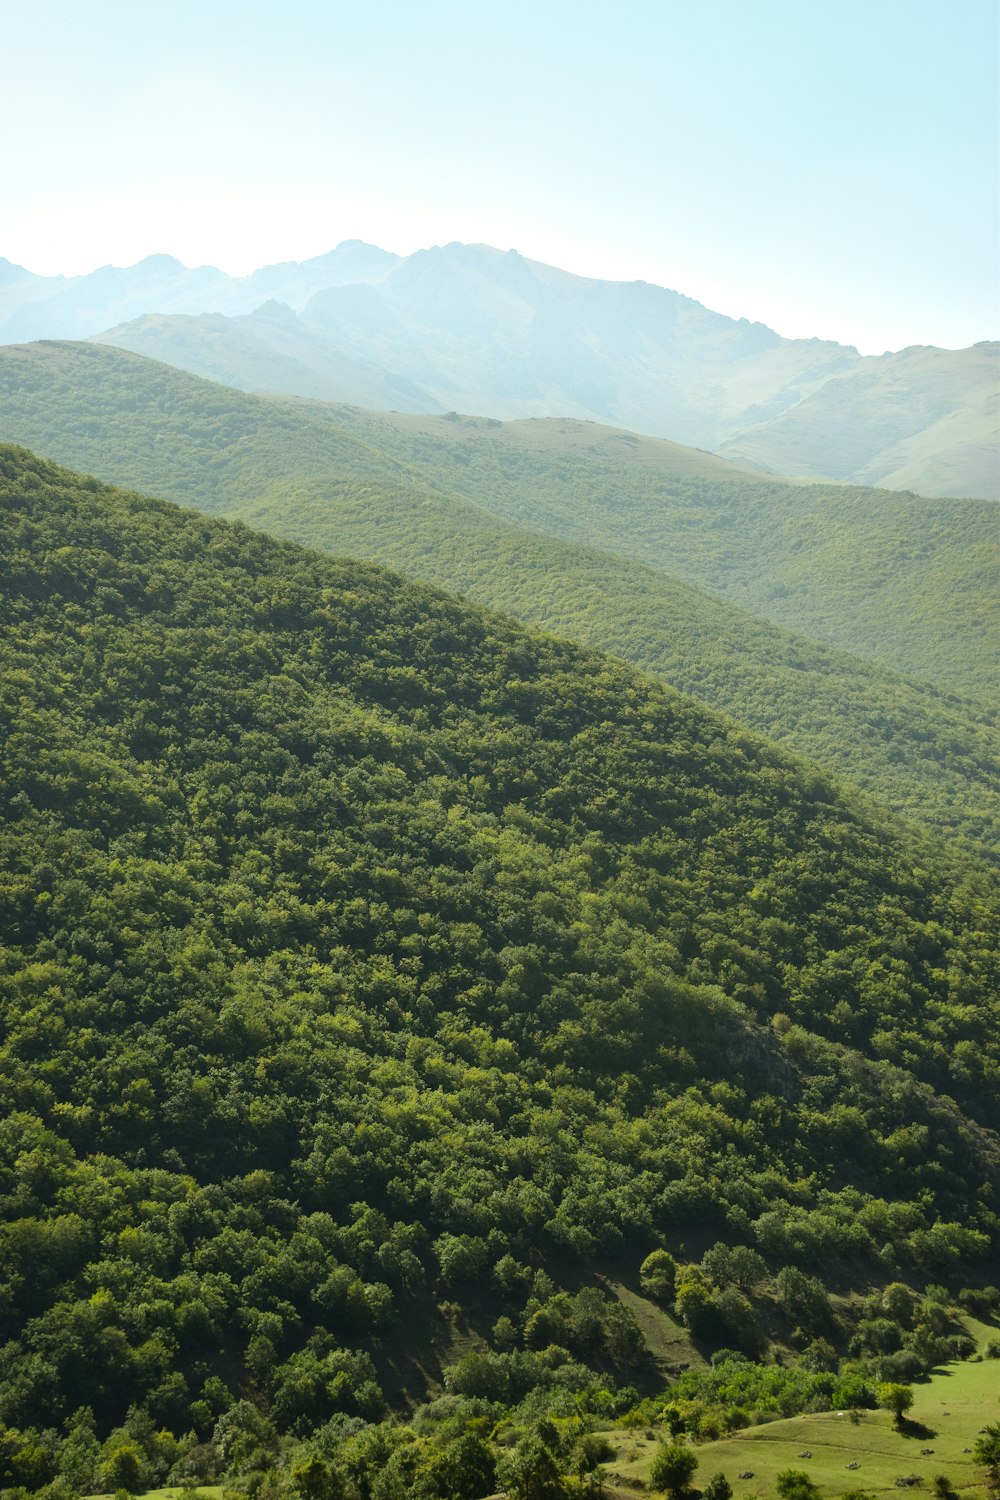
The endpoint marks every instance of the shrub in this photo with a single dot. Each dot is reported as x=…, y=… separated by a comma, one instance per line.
x=672, y=1468
x=658, y=1274
x=795, y=1484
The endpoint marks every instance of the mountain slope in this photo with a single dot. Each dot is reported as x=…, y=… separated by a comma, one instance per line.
x=360, y=947
x=472, y=328
x=929, y=756
x=905, y=581
x=382, y=488
x=908, y=582
x=921, y=419
x=467, y=327
x=33, y=307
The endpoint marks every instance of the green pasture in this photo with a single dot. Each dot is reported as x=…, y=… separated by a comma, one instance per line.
x=948, y=1412
x=175, y=1492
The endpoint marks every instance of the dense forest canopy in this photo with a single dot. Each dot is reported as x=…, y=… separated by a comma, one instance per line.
x=362, y=949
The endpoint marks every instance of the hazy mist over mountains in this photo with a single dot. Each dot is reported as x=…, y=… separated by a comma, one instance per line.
x=475, y=329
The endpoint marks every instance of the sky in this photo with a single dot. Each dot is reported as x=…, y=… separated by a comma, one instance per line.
x=829, y=167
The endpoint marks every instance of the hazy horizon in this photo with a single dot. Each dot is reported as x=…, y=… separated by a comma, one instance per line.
x=830, y=173
x=502, y=249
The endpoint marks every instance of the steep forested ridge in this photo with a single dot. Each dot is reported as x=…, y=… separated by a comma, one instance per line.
x=403, y=491
x=361, y=948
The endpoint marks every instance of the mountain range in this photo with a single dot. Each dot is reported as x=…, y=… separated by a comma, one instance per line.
x=479, y=330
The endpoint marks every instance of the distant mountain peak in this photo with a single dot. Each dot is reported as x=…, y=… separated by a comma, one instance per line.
x=160, y=262
x=360, y=245
x=277, y=312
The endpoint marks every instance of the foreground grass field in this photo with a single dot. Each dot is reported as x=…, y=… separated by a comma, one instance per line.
x=948, y=1413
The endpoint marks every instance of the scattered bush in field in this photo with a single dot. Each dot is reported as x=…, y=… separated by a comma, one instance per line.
x=673, y=1468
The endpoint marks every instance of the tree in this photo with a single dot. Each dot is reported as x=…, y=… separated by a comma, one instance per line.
x=673, y=1467
x=805, y=1300
x=122, y=1469
x=313, y=1480
x=658, y=1274
x=694, y=1303
x=462, y=1259
x=466, y=1469
x=735, y=1265
x=899, y=1302
x=986, y=1453
x=530, y=1472
x=795, y=1484
x=717, y=1488
x=895, y=1398
x=590, y=1451
x=504, y=1334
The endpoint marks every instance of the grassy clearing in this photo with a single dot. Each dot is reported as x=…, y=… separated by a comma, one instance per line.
x=174, y=1492
x=948, y=1412
x=667, y=1340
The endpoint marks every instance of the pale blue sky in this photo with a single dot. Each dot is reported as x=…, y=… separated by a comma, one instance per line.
x=827, y=166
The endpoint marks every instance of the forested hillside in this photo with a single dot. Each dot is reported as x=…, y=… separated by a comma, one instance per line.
x=929, y=756
x=907, y=582
x=386, y=489
x=899, y=579
x=374, y=968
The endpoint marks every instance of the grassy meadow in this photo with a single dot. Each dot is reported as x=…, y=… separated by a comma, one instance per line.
x=948, y=1413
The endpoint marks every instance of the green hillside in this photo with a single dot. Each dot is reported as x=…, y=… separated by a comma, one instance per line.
x=482, y=330
x=382, y=983
x=382, y=488
x=923, y=419
x=907, y=582
x=144, y=424
x=865, y=1450
x=930, y=757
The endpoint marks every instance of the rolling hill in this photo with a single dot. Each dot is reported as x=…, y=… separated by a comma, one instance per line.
x=905, y=581
x=923, y=419
x=384, y=488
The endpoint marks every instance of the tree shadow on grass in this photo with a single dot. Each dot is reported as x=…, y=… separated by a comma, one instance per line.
x=910, y=1429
